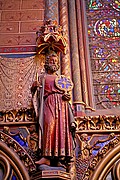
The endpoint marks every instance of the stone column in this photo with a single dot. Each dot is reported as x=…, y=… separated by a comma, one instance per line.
x=65, y=65
x=76, y=74
x=51, y=10
x=81, y=54
x=87, y=57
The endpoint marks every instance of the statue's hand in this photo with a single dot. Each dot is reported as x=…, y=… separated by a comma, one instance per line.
x=36, y=84
x=66, y=97
x=34, y=87
x=73, y=127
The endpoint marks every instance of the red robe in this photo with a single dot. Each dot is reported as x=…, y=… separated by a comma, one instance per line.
x=56, y=136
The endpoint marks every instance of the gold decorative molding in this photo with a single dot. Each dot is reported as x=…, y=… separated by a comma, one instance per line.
x=79, y=102
x=116, y=170
x=19, y=150
x=5, y=166
x=22, y=115
x=99, y=166
x=98, y=123
x=90, y=166
x=10, y=158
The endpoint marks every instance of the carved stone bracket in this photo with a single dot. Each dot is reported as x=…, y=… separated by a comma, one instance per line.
x=51, y=36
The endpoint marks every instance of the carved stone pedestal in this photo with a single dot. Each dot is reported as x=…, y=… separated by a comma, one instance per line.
x=51, y=174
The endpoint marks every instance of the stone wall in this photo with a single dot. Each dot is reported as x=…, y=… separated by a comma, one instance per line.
x=19, y=21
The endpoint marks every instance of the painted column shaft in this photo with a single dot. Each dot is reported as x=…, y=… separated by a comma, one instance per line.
x=78, y=100
x=65, y=65
x=74, y=52
x=87, y=55
x=81, y=53
x=51, y=10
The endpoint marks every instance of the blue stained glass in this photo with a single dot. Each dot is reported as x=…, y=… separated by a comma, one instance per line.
x=14, y=178
x=116, y=5
x=104, y=42
x=107, y=28
x=20, y=141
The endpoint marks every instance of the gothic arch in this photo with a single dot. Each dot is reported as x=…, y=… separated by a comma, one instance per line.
x=107, y=163
x=10, y=164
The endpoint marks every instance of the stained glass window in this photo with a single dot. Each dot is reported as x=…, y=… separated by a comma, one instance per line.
x=104, y=43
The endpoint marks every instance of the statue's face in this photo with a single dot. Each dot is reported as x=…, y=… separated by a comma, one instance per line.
x=53, y=61
x=53, y=64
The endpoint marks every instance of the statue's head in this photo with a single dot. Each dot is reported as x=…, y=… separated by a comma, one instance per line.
x=52, y=62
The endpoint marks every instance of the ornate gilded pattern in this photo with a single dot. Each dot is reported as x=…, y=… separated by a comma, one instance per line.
x=16, y=78
x=51, y=10
x=98, y=141
x=92, y=152
x=11, y=166
x=17, y=116
x=98, y=123
x=113, y=144
x=64, y=83
x=22, y=153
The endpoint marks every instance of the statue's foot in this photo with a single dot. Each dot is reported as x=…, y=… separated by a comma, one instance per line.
x=59, y=164
x=43, y=161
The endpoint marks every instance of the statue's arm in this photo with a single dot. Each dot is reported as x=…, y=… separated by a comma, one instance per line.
x=35, y=91
x=34, y=87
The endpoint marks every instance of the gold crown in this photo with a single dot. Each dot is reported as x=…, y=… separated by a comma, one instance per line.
x=51, y=36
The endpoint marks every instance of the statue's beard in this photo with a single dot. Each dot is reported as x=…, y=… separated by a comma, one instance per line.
x=52, y=68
